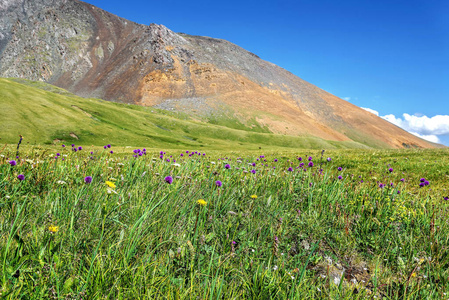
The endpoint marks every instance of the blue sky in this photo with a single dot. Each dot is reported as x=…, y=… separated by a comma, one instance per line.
x=389, y=56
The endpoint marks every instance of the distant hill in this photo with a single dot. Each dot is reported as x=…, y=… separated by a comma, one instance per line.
x=92, y=53
x=45, y=114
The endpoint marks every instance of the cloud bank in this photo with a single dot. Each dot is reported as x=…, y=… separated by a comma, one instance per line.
x=424, y=127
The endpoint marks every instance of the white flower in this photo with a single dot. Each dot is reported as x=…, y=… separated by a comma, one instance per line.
x=275, y=267
x=176, y=165
x=212, y=163
x=61, y=182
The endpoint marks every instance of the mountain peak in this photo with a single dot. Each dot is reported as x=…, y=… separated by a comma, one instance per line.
x=91, y=52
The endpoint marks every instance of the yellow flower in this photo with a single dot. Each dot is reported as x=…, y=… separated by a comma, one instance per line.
x=413, y=274
x=201, y=202
x=110, y=184
x=253, y=196
x=53, y=229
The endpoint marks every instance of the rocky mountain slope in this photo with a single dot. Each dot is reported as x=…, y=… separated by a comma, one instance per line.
x=91, y=52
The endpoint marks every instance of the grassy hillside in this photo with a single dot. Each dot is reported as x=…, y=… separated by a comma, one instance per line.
x=45, y=114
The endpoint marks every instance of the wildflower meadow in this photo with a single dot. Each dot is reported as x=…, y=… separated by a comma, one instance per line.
x=85, y=222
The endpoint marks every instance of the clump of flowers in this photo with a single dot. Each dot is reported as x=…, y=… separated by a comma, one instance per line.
x=53, y=229
x=168, y=179
x=201, y=202
x=12, y=162
x=253, y=196
x=110, y=184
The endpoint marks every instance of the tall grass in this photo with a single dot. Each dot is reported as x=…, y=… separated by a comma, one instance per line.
x=274, y=233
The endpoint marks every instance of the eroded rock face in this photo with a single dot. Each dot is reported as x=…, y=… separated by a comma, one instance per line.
x=91, y=52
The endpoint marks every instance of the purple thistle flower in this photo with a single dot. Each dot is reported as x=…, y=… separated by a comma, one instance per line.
x=290, y=169
x=339, y=177
x=253, y=171
x=329, y=159
x=310, y=164
x=421, y=184
x=105, y=147
x=58, y=154
x=310, y=158
x=181, y=154
x=111, y=151
x=275, y=160
x=109, y=145
x=74, y=149
x=21, y=177
x=446, y=198
x=299, y=158
x=426, y=182
x=63, y=146
x=227, y=166
x=91, y=152
x=253, y=164
x=339, y=169
x=399, y=192
x=73, y=145
x=168, y=179
x=218, y=183
x=301, y=165
x=88, y=179
x=12, y=162
x=390, y=170
x=381, y=185
x=422, y=179
x=402, y=179
x=80, y=148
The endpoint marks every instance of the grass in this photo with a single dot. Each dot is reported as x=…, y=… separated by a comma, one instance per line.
x=48, y=115
x=274, y=233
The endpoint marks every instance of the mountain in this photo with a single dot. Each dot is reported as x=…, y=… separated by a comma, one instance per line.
x=92, y=53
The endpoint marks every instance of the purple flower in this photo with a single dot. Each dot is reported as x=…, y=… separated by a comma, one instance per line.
x=422, y=179
x=74, y=149
x=253, y=171
x=290, y=169
x=310, y=158
x=105, y=147
x=446, y=198
x=80, y=148
x=227, y=166
x=12, y=162
x=426, y=182
x=73, y=145
x=339, y=177
x=421, y=184
x=63, y=146
x=275, y=160
x=109, y=145
x=381, y=185
x=218, y=183
x=399, y=192
x=299, y=158
x=58, y=154
x=339, y=169
x=168, y=179
x=88, y=179
x=310, y=164
x=402, y=179
x=390, y=170
x=21, y=177
x=111, y=151
x=329, y=159
x=181, y=154
x=253, y=164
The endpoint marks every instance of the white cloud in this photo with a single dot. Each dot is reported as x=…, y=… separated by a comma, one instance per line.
x=371, y=110
x=430, y=137
x=420, y=125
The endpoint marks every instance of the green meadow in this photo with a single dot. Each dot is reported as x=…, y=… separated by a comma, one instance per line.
x=46, y=115
x=195, y=224
x=212, y=209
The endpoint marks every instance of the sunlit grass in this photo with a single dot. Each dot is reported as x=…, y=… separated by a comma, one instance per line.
x=357, y=225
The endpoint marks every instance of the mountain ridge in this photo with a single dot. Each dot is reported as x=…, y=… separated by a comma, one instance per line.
x=93, y=53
